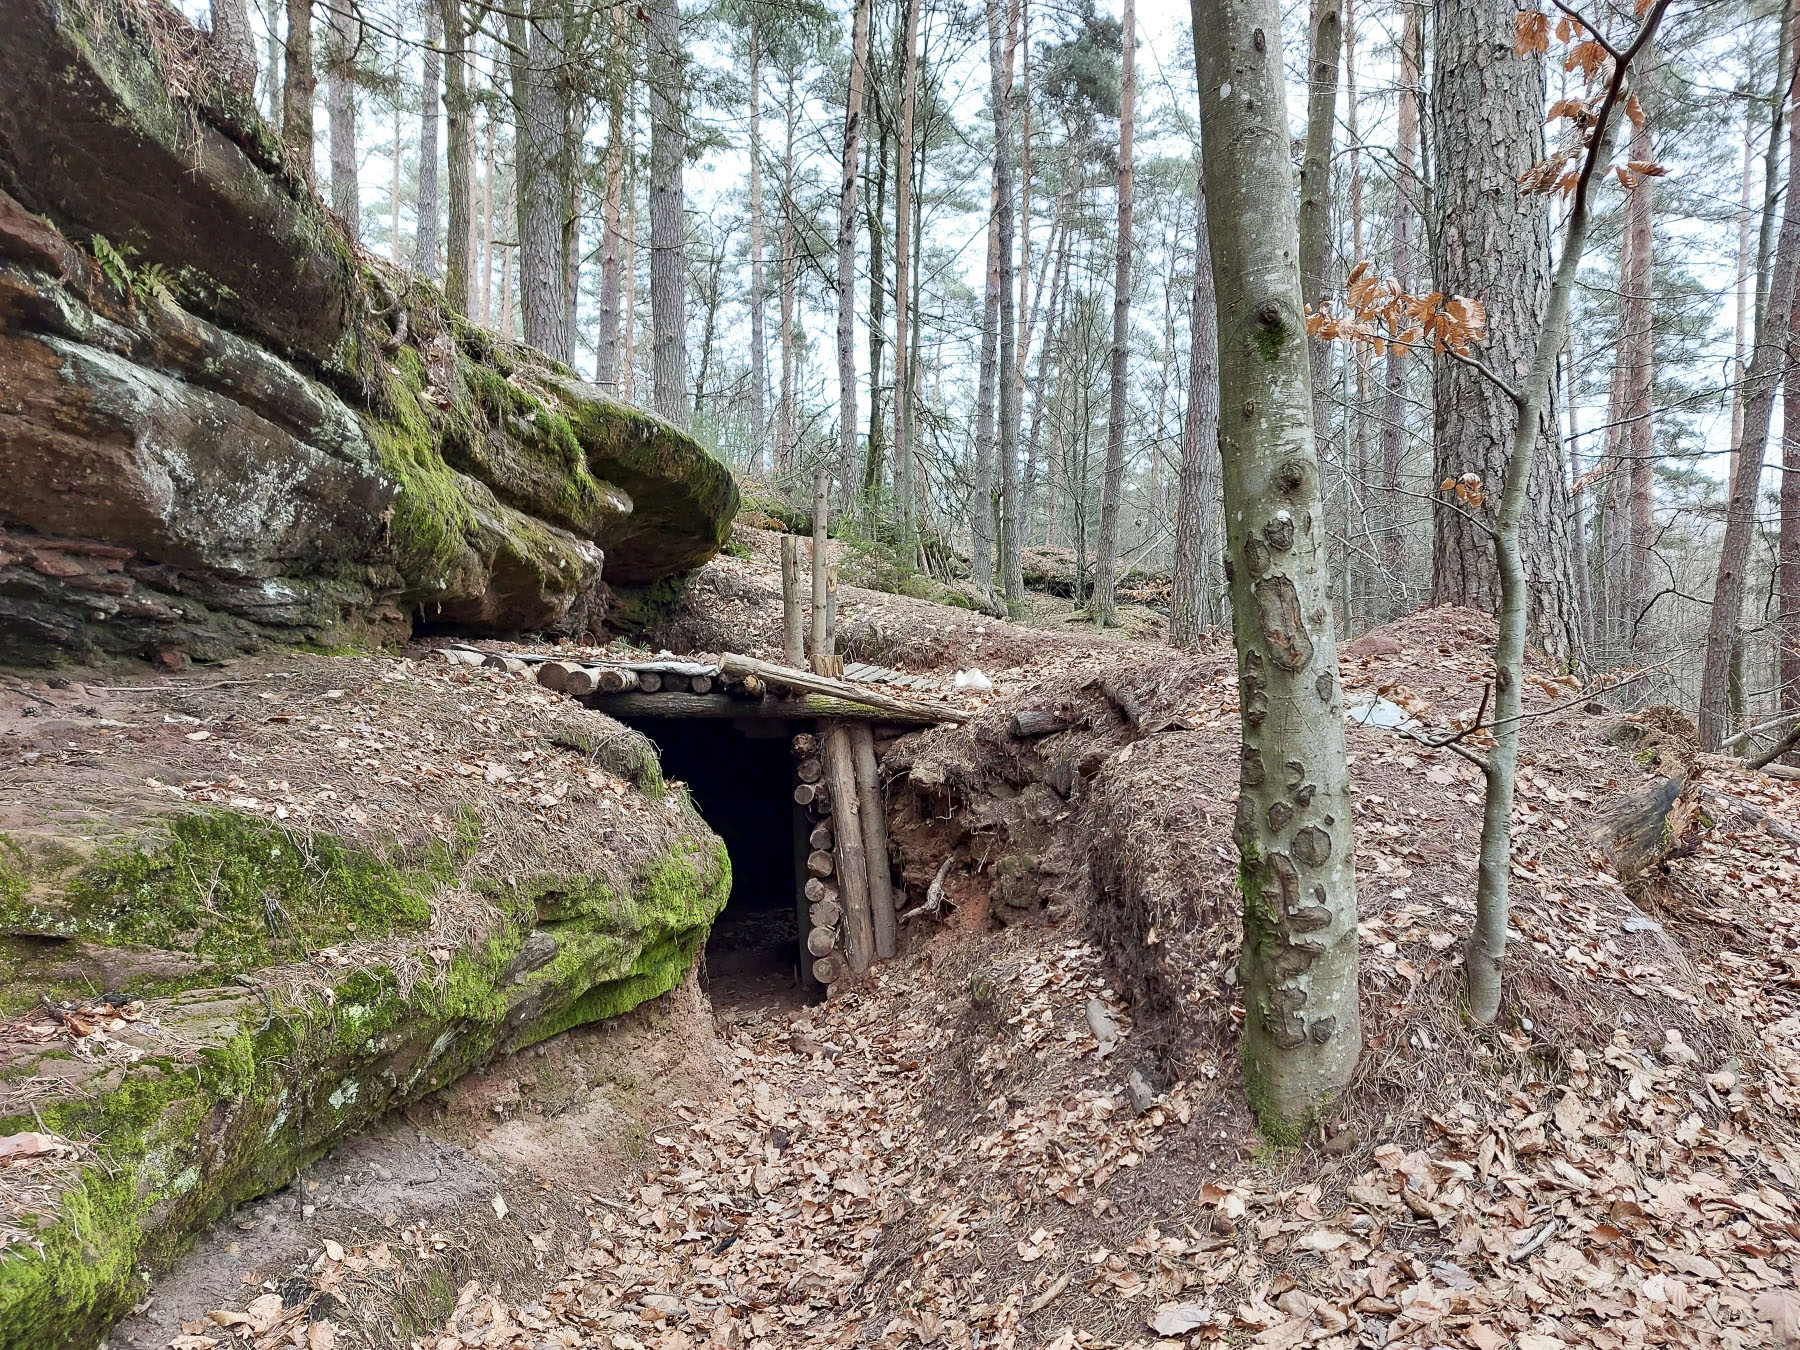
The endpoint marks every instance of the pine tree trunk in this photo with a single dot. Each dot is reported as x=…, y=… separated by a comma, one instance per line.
x=981, y=509
x=1104, y=606
x=1493, y=243
x=875, y=176
x=846, y=249
x=425, y=218
x=1190, y=599
x=1787, y=548
x=538, y=188
x=668, y=221
x=1006, y=441
x=759, y=354
x=340, y=106
x=628, y=356
x=784, y=441
x=1395, y=511
x=1040, y=382
x=1768, y=363
x=297, y=84
x=618, y=136
x=459, y=157
x=1302, y=1036
x=233, y=36
x=903, y=206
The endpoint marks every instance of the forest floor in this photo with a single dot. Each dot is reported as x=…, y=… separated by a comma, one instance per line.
x=949, y=1154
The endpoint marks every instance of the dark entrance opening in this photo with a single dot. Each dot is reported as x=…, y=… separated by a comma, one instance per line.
x=740, y=776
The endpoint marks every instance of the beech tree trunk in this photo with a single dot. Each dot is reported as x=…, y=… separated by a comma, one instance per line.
x=1190, y=601
x=759, y=367
x=425, y=215
x=846, y=249
x=1492, y=243
x=668, y=221
x=459, y=157
x=1302, y=1036
x=1327, y=41
x=1768, y=363
x=340, y=107
x=1103, y=605
x=297, y=84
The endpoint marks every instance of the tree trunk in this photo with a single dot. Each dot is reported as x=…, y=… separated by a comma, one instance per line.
x=1190, y=600
x=618, y=136
x=1293, y=829
x=340, y=106
x=846, y=249
x=487, y=223
x=394, y=189
x=1103, y=605
x=459, y=156
x=784, y=436
x=903, y=205
x=232, y=35
x=425, y=214
x=1493, y=244
x=759, y=368
x=981, y=510
x=297, y=84
x=668, y=223
x=1039, y=383
x=1787, y=548
x=1006, y=441
x=1768, y=363
x=1327, y=40
x=1639, y=292
x=852, y=856
x=538, y=188
x=1394, y=412
x=1538, y=346
x=875, y=176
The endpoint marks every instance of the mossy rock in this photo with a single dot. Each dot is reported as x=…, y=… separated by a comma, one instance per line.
x=296, y=988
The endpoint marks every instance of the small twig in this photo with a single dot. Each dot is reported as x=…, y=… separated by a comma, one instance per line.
x=1542, y=1236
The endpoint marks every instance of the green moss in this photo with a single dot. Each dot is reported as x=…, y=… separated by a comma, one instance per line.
x=15, y=872
x=233, y=889
x=1270, y=337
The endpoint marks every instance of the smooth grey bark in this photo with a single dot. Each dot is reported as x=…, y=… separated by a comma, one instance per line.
x=459, y=156
x=759, y=355
x=1104, y=605
x=846, y=249
x=232, y=35
x=1302, y=1035
x=668, y=219
x=1492, y=242
x=538, y=190
x=425, y=215
x=340, y=107
x=1762, y=379
x=1327, y=41
x=1532, y=400
x=297, y=83
x=1191, y=594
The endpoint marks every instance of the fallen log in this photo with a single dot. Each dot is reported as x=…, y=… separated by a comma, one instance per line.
x=582, y=680
x=1030, y=722
x=649, y=681
x=554, y=675
x=1646, y=829
x=615, y=679
x=900, y=709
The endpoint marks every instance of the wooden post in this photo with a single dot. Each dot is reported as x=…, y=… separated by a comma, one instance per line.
x=793, y=633
x=821, y=637
x=874, y=826
x=803, y=899
x=852, y=857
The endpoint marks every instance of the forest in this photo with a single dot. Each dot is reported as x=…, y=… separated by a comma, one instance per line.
x=1038, y=673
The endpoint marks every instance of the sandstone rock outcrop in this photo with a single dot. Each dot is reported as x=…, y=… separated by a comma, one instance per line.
x=222, y=423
